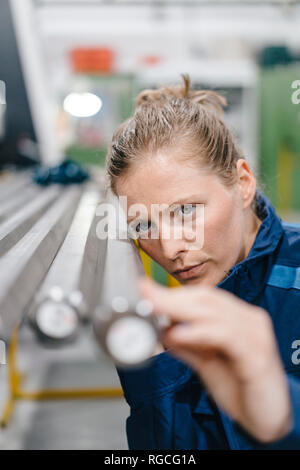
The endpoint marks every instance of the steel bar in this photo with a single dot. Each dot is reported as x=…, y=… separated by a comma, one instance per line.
x=23, y=267
x=12, y=183
x=123, y=323
x=18, y=200
x=75, y=267
x=14, y=228
x=91, y=273
x=123, y=265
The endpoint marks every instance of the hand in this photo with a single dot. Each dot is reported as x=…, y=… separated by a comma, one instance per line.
x=231, y=345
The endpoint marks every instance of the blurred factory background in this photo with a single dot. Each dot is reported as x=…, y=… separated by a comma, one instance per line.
x=70, y=70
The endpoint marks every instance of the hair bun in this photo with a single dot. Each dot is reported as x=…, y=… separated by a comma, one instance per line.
x=209, y=99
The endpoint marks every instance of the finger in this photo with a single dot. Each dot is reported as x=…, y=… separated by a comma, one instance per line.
x=178, y=303
x=200, y=337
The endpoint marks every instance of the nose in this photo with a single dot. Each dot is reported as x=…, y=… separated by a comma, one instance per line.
x=172, y=247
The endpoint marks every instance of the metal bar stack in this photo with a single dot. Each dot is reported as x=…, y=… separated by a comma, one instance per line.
x=29, y=247
x=58, y=270
x=68, y=291
x=123, y=321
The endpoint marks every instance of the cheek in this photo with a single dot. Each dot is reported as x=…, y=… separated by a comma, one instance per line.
x=222, y=231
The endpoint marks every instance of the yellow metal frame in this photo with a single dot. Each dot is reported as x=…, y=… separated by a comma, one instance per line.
x=17, y=393
x=148, y=266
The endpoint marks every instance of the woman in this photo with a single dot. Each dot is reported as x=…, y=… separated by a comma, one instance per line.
x=227, y=375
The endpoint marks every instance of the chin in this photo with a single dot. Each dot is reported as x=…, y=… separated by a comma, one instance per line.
x=201, y=281
x=192, y=281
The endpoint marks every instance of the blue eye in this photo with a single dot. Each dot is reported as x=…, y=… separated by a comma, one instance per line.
x=143, y=227
x=186, y=209
x=139, y=229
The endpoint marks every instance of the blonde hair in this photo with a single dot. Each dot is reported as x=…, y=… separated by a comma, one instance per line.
x=173, y=117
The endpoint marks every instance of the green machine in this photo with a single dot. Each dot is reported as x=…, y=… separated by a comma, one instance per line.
x=279, y=137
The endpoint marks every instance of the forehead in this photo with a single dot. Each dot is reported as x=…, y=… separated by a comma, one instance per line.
x=163, y=179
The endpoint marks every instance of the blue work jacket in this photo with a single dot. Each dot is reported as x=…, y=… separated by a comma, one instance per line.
x=169, y=406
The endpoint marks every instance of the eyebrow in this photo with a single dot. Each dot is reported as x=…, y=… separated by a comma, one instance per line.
x=180, y=201
x=184, y=200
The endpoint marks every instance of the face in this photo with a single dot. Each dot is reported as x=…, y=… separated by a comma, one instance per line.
x=228, y=228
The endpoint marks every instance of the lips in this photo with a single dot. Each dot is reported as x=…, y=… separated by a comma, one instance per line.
x=188, y=268
x=190, y=271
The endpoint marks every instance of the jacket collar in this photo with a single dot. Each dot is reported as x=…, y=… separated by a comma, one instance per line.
x=246, y=279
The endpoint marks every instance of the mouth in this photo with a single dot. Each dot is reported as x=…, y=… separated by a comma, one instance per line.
x=190, y=271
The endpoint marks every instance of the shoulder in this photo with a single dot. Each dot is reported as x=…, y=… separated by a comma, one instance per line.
x=285, y=272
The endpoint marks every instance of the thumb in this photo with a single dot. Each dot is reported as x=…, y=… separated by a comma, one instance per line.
x=176, y=303
x=153, y=291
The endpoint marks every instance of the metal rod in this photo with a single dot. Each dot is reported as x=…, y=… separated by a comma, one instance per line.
x=13, y=183
x=23, y=267
x=18, y=200
x=123, y=265
x=15, y=227
x=75, y=267
x=124, y=324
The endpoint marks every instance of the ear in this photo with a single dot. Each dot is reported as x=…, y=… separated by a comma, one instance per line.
x=246, y=182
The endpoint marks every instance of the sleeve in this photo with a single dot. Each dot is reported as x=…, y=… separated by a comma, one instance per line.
x=169, y=408
x=149, y=391
x=292, y=440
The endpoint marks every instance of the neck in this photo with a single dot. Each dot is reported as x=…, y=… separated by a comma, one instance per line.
x=252, y=226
